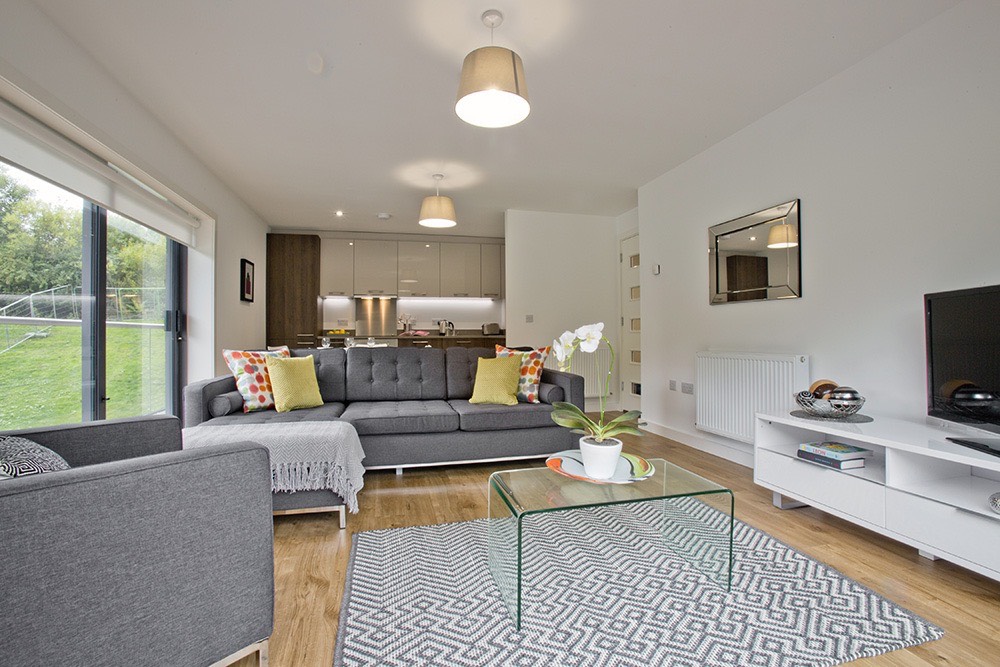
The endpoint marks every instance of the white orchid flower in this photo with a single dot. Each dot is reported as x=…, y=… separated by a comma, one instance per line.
x=590, y=336
x=563, y=348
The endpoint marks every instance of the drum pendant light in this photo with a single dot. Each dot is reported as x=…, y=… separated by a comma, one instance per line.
x=492, y=91
x=437, y=211
x=782, y=236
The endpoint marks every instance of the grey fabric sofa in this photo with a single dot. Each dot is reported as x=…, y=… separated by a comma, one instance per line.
x=140, y=554
x=410, y=407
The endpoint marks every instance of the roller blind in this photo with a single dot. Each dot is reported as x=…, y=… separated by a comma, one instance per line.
x=34, y=147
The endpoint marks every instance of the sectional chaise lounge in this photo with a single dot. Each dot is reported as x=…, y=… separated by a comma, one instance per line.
x=410, y=407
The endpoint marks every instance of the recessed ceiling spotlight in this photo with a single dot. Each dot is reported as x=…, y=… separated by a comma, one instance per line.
x=753, y=238
x=383, y=216
x=339, y=214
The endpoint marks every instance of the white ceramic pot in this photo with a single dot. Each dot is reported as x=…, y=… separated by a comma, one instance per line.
x=600, y=458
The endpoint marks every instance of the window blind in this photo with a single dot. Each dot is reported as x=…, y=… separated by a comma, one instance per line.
x=34, y=147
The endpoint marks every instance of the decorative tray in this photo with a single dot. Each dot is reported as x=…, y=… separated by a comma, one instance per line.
x=631, y=468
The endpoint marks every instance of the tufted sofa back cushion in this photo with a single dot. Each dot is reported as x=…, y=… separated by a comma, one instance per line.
x=331, y=372
x=395, y=374
x=461, y=363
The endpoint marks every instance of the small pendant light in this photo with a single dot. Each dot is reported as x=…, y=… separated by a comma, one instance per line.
x=437, y=211
x=782, y=236
x=492, y=91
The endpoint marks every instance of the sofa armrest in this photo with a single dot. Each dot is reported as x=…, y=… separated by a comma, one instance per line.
x=198, y=396
x=164, y=559
x=89, y=443
x=572, y=385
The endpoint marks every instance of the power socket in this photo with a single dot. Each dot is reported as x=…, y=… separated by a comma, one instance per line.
x=673, y=385
x=529, y=319
x=687, y=388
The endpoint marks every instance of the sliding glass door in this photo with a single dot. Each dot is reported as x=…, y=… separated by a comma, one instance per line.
x=91, y=309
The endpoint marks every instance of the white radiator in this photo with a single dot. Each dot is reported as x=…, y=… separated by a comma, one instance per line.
x=731, y=387
x=594, y=369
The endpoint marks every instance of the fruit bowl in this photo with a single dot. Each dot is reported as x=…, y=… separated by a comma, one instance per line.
x=832, y=408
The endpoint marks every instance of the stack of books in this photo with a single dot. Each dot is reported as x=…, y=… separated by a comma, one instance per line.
x=834, y=454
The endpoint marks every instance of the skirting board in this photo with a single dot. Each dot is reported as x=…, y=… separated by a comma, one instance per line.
x=731, y=450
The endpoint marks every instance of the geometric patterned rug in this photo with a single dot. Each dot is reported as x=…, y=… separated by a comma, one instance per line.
x=424, y=596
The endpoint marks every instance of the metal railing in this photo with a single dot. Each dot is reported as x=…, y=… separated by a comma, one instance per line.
x=33, y=315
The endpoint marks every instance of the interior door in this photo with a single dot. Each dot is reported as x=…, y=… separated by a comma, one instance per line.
x=630, y=358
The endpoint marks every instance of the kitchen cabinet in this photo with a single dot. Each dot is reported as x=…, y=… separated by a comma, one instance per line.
x=336, y=267
x=491, y=265
x=375, y=267
x=461, y=269
x=419, y=267
x=293, y=304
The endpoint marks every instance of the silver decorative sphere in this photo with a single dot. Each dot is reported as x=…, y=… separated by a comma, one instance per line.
x=995, y=502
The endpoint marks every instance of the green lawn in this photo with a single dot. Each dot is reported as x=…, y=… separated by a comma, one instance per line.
x=40, y=379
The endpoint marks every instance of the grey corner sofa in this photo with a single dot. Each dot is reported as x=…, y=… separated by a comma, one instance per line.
x=410, y=407
x=140, y=554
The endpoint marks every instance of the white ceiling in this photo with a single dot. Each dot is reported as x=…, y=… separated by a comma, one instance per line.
x=621, y=91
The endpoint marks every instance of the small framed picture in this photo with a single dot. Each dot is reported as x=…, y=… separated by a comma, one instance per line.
x=246, y=280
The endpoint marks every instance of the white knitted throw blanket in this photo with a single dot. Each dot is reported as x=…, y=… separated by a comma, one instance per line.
x=305, y=456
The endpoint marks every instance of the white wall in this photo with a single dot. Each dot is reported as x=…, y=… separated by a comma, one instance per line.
x=562, y=269
x=628, y=223
x=44, y=61
x=897, y=166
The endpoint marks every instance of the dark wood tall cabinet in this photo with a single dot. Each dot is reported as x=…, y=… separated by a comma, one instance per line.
x=746, y=273
x=294, y=308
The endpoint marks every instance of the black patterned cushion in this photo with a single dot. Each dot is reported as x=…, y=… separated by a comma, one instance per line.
x=20, y=457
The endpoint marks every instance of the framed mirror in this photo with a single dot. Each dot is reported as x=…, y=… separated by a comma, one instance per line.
x=756, y=257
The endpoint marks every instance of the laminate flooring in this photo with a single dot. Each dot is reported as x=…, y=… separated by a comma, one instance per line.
x=311, y=556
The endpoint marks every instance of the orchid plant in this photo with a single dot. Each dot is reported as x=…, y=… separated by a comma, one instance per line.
x=587, y=339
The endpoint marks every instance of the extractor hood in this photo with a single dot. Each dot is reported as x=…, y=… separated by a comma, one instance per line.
x=375, y=316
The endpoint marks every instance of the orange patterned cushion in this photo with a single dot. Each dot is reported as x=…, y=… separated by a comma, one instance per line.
x=531, y=371
x=250, y=369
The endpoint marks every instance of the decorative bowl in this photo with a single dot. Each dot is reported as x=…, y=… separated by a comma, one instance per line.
x=829, y=408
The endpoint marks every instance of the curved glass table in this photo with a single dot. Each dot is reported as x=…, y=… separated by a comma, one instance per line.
x=515, y=495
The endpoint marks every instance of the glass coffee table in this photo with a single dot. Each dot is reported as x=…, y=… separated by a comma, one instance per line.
x=515, y=495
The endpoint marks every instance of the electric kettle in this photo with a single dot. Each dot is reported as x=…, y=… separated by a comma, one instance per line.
x=445, y=327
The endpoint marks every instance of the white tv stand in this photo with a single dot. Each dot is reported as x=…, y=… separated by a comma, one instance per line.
x=918, y=488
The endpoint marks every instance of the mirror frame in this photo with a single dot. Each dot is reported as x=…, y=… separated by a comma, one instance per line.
x=790, y=288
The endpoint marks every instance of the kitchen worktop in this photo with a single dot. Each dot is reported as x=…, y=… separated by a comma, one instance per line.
x=431, y=335
x=460, y=338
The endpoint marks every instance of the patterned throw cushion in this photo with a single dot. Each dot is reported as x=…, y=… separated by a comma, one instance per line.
x=250, y=369
x=496, y=381
x=20, y=457
x=531, y=371
x=294, y=383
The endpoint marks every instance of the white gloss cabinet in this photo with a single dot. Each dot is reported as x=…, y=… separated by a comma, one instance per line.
x=461, y=269
x=375, y=268
x=336, y=267
x=918, y=488
x=491, y=264
x=419, y=268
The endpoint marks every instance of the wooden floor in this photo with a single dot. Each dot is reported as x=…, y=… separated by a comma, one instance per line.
x=311, y=555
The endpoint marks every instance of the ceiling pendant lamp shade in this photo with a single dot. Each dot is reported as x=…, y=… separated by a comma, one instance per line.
x=782, y=236
x=492, y=91
x=437, y=210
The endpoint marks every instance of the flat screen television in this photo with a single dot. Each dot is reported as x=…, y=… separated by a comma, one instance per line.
x=963, y=359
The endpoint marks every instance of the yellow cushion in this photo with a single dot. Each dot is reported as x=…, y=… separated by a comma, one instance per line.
x=496, y=381
x=293, y=382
